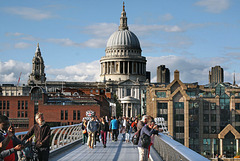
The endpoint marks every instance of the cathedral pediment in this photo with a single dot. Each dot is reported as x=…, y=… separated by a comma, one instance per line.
x=128, y=82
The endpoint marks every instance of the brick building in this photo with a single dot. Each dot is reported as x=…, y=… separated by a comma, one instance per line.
x=58, y=109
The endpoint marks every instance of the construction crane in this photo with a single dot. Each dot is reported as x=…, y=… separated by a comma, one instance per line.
x=19, y=79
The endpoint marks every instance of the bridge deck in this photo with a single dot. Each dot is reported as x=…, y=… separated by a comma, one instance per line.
x=116, y=151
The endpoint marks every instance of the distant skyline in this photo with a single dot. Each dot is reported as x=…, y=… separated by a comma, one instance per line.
x=190, y=36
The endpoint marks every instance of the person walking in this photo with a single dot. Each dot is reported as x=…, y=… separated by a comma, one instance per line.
x=104, y=129
x=42, y=133
x=91, y=129
x=84, y=131
x=114, y=126
x=145, y=139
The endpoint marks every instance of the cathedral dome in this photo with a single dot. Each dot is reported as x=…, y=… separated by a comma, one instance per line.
x=124, y=38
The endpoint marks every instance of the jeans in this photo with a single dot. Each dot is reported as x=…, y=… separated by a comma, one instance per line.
x=143, y=154
x=85, y=137
x=43, y=154
x=91, y=138
x=114, y=134
x=104, y=137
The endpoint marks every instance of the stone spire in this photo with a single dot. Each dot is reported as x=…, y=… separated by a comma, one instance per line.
x=123, y=20
x=38, y=52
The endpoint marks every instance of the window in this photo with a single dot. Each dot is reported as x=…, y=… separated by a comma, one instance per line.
x=19, y=105
x=128, y=92
x=22, y=104
x=206, y=105
x=62, y=114
x=78, y=115
x=66, y=115
x=74, y=115
x=205, y=129
x=179, y=129
x=237, y=118
x=22, y=114
x=26, y=114
x=213, y=129
x=160, y=94
x=213, y=106
x=18, y=114
x=213, y=118
x=0, y=104
x=7, y=113
x=8, y=104
x=206, y=118
x=237, y=106
x=179, y=117
x=4, y=104
x=178, y=104
x=26, y=105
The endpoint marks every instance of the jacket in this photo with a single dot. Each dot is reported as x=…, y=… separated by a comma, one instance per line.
x=9, y=151
x=42, y=134
x=114, y=124
x=146, y=130
x=104, y=127
x=92, y=126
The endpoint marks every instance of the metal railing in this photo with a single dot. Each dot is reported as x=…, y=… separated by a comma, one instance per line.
x=170, y=150
x=62, y=135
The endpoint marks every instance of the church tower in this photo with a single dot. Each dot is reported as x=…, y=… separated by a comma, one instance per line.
x=37, y=77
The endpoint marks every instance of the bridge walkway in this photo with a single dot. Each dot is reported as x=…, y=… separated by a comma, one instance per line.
x=115, y=151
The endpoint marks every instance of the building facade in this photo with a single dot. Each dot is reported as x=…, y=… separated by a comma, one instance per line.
x=216, y=75
x=205, y=118
x=163, y=74
x=123, y=68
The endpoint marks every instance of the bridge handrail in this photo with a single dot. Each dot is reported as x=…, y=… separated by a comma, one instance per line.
x=61, y=135
x=170, y=149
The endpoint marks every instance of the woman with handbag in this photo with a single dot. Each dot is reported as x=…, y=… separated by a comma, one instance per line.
x=84, y=131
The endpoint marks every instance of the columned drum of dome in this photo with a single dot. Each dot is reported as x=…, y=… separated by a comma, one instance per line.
x=123, y=59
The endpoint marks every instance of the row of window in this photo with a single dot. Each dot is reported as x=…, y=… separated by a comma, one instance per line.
x=212, y=130
x=22, y=105
x=212, y=117
x=64, y=115
x=6, y=113
x=22, y=114
x=4, y=105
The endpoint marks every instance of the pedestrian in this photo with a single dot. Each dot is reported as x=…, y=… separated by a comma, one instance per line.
x=145, y=139
x=84, y=131
x=134, y=125
x=91, y=129
x=8, y=140
x=104, y=129
x=128, y=130
x=42, y=133
x=142, y=122
x=123, y=129
x=114, y=126
x=97, y=133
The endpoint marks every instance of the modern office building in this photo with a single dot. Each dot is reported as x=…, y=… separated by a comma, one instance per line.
x=205, y=118
x=163, y=74
x=216, y=75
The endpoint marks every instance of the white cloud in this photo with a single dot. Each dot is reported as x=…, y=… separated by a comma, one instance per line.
x=76, y=73
x=22, y=45
x=29, y=13
x=214, y=6
x=191, y=69
x=102, y=30
x=10, y=71
x=146, y=29
x=13, y=34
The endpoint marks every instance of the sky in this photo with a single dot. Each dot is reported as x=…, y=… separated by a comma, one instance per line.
x=190, y=36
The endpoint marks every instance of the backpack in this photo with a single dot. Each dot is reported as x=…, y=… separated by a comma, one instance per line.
x=136, y=137
x=145, y=140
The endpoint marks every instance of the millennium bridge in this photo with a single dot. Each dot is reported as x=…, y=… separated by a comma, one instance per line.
x=66, y=145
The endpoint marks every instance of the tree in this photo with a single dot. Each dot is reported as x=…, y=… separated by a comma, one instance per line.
x=118, y=106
